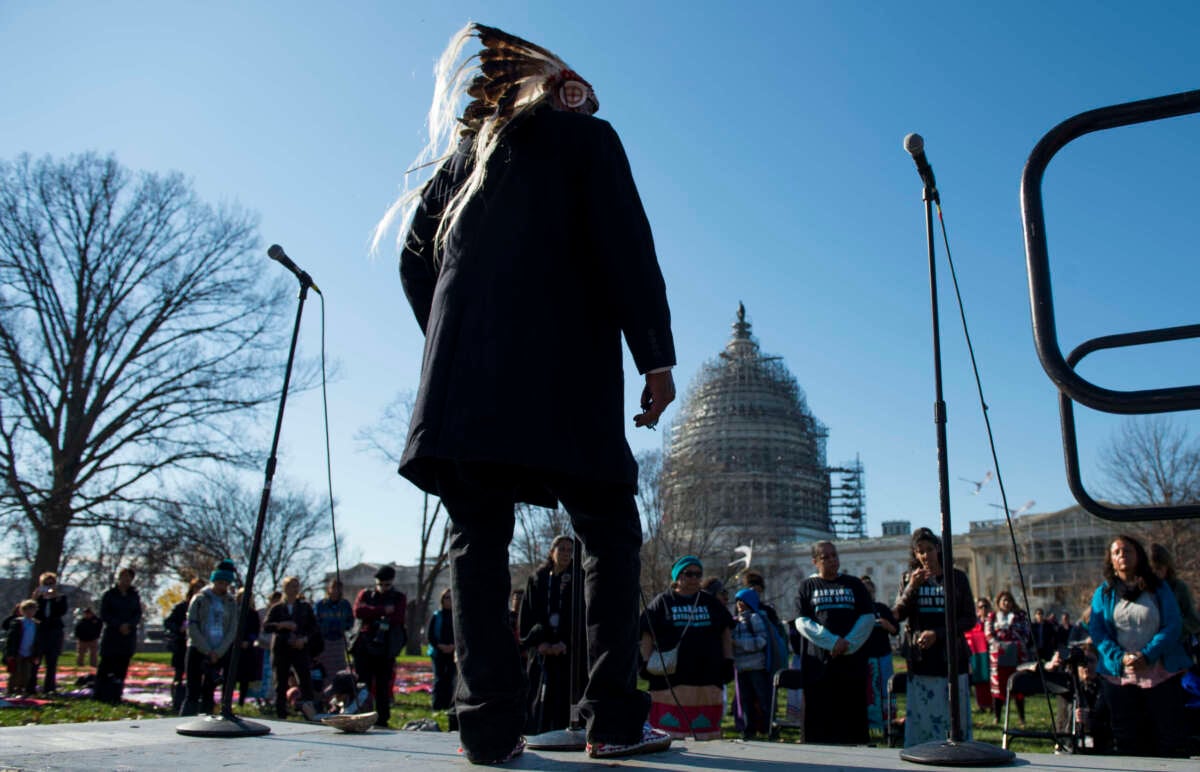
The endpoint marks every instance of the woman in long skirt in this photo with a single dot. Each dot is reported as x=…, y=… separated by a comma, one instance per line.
x=700, y=628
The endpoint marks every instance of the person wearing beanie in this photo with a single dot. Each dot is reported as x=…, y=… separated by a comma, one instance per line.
x=380, y=638
x=835, y=617
x=700, y=627
x=211, y=627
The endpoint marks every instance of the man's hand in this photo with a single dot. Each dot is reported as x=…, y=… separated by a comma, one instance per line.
x=657, y=394
x=840, y=647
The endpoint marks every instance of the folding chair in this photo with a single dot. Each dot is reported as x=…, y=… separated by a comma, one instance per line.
x=1028, y=682
x=893, y=724
x=785, y=679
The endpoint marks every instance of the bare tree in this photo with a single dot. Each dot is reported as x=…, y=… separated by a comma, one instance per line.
x=385, y=439
x=134, y=337
x=1156, y=460
x=693, y=519
x=533, y=531
x=216, y=519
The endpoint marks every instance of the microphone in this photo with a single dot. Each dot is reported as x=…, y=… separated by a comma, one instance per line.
x=915, y=145
x=276, y=253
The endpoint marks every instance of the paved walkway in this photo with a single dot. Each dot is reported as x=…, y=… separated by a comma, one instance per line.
x=154, y=745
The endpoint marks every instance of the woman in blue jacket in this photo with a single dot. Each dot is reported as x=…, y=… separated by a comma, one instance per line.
x=1135, y=627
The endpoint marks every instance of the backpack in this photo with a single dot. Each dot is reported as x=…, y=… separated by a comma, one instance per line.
x=777, y=646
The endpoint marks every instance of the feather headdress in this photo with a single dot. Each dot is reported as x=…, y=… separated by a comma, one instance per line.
x=511, y=77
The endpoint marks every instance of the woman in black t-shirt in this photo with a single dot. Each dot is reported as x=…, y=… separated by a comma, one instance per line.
x=922, y=601
x=701, y=627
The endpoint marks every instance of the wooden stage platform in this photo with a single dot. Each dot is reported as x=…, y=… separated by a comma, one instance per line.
x=154, y=745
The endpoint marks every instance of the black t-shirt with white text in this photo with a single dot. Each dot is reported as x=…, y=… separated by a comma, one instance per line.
x=700, y=653
x=835, y=604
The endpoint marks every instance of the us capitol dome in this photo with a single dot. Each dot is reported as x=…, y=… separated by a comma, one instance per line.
x=745, y=459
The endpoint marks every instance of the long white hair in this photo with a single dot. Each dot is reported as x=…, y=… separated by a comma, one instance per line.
x=511, y=77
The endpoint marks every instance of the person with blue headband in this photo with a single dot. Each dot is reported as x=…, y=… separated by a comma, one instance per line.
x=699, y=629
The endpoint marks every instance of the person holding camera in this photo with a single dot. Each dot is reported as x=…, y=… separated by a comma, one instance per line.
x=294, y=625
x=51, y=608
x=381, y=636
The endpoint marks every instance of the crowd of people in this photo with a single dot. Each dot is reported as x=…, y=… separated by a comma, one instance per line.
x=1121, y=666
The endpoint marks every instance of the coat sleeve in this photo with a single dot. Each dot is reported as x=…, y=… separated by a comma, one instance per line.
x=196, y=638
x=1102, y=638
x=617, y=228
x=1169, y=629
x=364, y=610
x=274, y=614
x=229, y=634
x=906, y=602
x=530, y=628
x=399, y=610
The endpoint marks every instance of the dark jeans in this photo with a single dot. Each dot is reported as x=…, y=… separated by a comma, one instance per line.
x=1148, y=722
x=754, y=697
x=202, y=677
x=52, y=644
x=835, y=702
x=287, y=660
x=491, y=693
x=379, y=674
x=444, y=673
x=179, y=683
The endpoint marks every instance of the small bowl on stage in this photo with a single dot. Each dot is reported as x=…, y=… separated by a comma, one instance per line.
x=356, y=723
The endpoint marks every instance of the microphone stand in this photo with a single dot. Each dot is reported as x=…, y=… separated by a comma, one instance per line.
x=226, y=724
x=953, y=751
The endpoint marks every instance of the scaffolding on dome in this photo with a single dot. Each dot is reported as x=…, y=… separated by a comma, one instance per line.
x=848, y=501
x=746, y=457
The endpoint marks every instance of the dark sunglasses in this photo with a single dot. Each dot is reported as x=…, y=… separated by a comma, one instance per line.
x=691, y=574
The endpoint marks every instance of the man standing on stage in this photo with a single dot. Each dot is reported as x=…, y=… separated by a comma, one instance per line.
x=527, y=257
x=835, y=616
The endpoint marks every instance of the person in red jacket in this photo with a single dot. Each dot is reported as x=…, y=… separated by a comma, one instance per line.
x=381, y=636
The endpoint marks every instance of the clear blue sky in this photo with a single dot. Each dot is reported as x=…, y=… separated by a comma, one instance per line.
x=766, y=141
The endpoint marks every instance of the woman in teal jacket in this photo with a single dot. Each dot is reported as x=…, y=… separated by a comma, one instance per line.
x=1135, y=627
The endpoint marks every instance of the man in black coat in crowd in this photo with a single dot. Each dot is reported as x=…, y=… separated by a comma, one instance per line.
x=121, y=612
x=524, y=269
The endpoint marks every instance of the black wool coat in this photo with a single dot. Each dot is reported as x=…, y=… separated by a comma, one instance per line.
x=550, y=263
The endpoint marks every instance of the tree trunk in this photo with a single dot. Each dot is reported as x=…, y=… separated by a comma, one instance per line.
x=51, y=538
